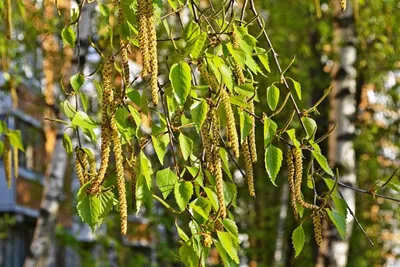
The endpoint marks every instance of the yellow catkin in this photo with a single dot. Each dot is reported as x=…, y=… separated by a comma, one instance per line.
x=16, y=164
x=144, y=36
x=92, y=167
x=210, y=81
x=135, y=166
x=107, y=103
x=299, y=178
x=7, y=160
x=152, y=35
x=343, y=5
x=79, y=169
x=7, y=18
x=206, y=138
x=236, y=66
x=232, y=135
x=292, y=187
x=252, y=135
x=218, y=226
x=119, y=166
x=207, y=240
x=249, y=167
x=317, y=223
x=124, y=50
x=219, y=182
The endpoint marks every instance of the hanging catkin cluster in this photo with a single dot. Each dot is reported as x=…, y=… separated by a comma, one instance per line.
x=134, y=163
x=106, y=110
x=248, y=166
x=236, y=67
x=290, y=164
x=206, y=76
x=298, y=165
x=124, y=51
x=217, y=165
x=317, y=224
x=232, y=135
x=343, y=4
x=7, y=160
x=207, y=144
x=7, y=18
x=148, y=44
x=80, y=159
x=252, y=134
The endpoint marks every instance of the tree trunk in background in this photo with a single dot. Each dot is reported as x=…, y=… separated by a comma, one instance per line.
x=40, y=253
x=53, y=186
x=342, y=111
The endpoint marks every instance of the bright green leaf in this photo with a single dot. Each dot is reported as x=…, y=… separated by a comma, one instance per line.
x=273, y=96
x=228, y=245
x=322, y=162
x=181, y=79
x=297, y=87
x=270, y=128
x=67, y=144
x=188, y=255
x=89, y=210
x=166, y=180
x=186, y=145
x=160, y=146
x=298, y=239
x=68, y=36
x=339, y=222
x=82, y=120
x=199, y=111
x=77, y=81
x=183, y=192
x=273, y=162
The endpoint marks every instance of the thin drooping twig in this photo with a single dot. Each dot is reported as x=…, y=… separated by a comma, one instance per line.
x=275, y=55
x=170, y=132
x=355, y=218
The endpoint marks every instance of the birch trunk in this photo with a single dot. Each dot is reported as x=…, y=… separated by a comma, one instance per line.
x=334, y=251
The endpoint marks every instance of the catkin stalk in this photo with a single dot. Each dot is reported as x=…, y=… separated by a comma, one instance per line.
x=317, y=223
x=236, y=66
x=7, y=160
x=119, y=166
x=151, y=29
x=249, y=167
x=107, y=104
x=299, y=178
x=219, y=183
x=7, y=18
x=252, y=135
x=292, y=187
x=15, y=156
x=232, y=135
x=144, y=36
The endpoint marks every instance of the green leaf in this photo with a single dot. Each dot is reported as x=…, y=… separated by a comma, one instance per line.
x=107, y=201
x=191, y=32
x=15, y=139
x=183, y=192
x=82, y=120
x=228, y=262
x=339, y=202
x=181, y=79
x=188, y=255
x=1, y=148
x=68, y=36
x=297, y=87
x=270, y=128
x=225, y=165
x=273, y=162
x=212, y=196
x=195, y=47
x=339, y=222
x=160, y=146
x=231, y=227
x=67, y=144
x=77, y=81
x=89, y=210
x=322, y=162
x=228, y=245
x=181, y=233
x=199, y=111
x=292, y=135
x=186, y=145
x=263, y=57
x=166, y=180
x=202, y=207
x=311, y=127
x=273, y=96
x=85, y=101
x=68, y=109
x=104, y=10
x=227, y=76
x=175, y=4
x=298, y=239
x=246, y=124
